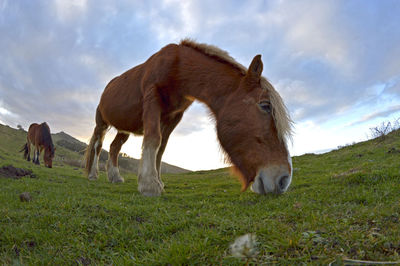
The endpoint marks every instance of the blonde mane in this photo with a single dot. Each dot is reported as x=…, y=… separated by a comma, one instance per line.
x=283, y=122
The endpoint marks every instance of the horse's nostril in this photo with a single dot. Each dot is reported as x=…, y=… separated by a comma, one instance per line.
x=283, y=182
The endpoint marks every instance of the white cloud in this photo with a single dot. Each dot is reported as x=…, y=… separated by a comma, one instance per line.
x=311, y=31
x=305, y=29
x=4, y=111
x=379, y=114
x=68, y=10
x=6, y=116
x=169, y=20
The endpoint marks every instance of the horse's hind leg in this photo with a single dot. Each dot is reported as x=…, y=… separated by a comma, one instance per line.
x=93, y=150
x=112, y=163
x=28, y=150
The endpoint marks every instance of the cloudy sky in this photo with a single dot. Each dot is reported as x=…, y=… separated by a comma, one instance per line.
x=335, y=63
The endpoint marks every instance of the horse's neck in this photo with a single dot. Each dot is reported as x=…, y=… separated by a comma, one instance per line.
x=211, y=82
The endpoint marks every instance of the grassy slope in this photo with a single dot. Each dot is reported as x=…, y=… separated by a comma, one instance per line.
x=341, y=204
x=71, y=151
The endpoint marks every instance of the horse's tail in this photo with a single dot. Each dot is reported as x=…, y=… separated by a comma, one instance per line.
x=94, y=148
x=89, y=155
x=25, y=150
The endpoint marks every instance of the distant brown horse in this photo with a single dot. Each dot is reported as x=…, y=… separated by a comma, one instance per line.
x=40, y=137
x=251, y=120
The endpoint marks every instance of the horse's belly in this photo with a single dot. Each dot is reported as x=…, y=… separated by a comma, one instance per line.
x=123, y=113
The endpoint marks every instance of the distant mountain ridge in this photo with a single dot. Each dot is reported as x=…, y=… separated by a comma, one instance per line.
x=70, y=151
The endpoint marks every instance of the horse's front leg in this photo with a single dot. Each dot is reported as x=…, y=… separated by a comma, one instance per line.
x=149, y=184
x=34, y=155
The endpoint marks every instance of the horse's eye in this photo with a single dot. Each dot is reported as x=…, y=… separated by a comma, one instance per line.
x=265, y=106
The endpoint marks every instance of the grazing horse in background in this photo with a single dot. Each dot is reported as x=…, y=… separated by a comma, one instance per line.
x=40, y=137
x=252, y=122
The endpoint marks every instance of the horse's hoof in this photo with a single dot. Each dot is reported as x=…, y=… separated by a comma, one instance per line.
x=113, y=173
x=151, y=193
x=114, y=177
x=150, y=189
x=118, y=180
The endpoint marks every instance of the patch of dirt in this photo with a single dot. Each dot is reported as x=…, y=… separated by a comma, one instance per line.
x=10, y=171
x=25, y=196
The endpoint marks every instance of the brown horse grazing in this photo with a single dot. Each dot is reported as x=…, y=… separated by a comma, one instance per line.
x=40, y=137
x=252, y=122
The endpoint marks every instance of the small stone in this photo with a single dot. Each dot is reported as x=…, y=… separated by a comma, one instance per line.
x=245, y=246
x=25, y=196
x=297, y=205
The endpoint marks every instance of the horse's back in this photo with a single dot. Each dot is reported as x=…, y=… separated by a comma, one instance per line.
x=121, y=104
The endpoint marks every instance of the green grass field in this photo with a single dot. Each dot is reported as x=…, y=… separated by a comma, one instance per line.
x=343, y=204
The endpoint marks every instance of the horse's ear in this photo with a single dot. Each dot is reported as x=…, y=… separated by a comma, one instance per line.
x=256, y=67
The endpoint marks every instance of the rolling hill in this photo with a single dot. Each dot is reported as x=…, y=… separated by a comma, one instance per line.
x=70, y=151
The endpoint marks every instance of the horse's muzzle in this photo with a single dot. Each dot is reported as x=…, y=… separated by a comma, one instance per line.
x=275, y=179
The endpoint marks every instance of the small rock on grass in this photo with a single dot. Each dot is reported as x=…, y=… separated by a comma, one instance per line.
x=25, y=196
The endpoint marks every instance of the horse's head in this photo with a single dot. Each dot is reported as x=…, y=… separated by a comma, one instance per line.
x=252, y=128
x=48, y=156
